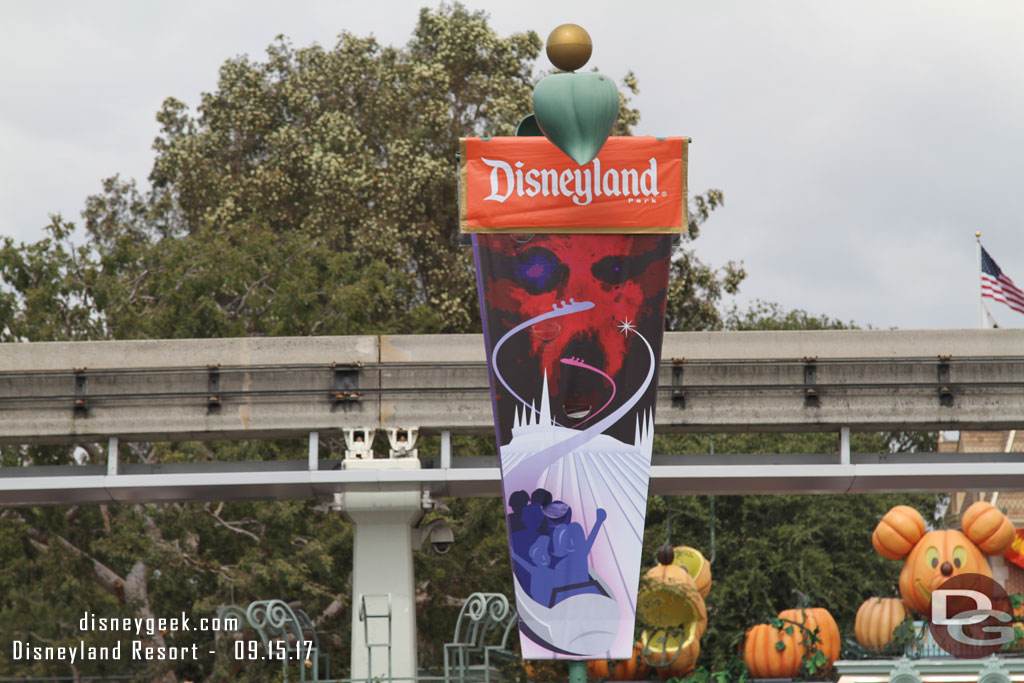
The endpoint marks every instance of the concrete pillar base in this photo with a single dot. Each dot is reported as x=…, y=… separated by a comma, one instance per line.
x=382, y=565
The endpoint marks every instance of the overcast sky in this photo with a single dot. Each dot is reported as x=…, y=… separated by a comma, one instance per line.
x=859, y=143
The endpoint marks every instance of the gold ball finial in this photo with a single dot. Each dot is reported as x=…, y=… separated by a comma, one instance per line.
x=977, y=233
x=569, y=47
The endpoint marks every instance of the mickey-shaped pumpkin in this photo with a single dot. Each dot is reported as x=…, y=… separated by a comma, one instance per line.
x=933, y=557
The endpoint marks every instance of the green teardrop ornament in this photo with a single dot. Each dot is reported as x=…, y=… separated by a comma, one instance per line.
x=576, y=111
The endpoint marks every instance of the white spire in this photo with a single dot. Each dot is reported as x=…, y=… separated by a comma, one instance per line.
x=545, y=404
x=648, y=430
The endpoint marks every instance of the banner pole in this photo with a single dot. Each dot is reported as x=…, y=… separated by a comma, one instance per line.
x=572, y=286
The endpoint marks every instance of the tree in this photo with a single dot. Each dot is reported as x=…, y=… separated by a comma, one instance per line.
x=763, y=315
x=310, y=193
x=695, y=289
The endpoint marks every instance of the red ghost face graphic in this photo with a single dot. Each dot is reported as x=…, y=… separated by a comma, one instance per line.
x=623, y=275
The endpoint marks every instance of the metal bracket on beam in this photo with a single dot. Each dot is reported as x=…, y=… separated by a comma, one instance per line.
x=359, y=443
x=403, y=442
x=945, y=393
x=81, y=391
x=678, y=395
x=811, y=398
x=212, y=389
x=346, y=384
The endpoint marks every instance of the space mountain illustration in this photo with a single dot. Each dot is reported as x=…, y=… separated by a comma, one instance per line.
x=573, y=327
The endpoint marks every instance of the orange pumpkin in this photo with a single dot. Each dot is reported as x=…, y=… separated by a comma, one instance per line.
x=938, y=556
x=669, y=599
x=770, y=652
x=633, y=669
x=898, y=532
x=988, y=527
x=876, y=620
x=673, y=652
x=694, y=562
x=818, y=618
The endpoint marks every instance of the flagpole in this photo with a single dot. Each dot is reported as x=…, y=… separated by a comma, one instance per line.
x=981, y=300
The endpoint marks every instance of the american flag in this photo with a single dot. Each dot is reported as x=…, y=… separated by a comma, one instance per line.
x=995, y=284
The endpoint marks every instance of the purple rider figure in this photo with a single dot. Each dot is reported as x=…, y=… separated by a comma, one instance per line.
x=571, y=574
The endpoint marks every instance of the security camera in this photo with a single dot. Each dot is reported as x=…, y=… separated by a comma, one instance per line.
x=439, y=533
x=441, y=538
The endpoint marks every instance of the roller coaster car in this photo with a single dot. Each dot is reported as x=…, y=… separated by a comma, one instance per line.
x=583, y=618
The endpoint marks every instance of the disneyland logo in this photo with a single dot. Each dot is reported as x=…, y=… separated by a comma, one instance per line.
x=581, y=184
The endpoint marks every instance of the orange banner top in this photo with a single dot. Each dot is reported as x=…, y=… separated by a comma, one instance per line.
x=526, y=184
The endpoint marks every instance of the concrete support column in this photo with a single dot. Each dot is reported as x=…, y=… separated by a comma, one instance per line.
x=844, y=445
x=446, y=449
x=382, y=564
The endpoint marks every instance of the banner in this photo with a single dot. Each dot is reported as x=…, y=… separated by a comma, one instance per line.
x=573, y=327
x=526, y=184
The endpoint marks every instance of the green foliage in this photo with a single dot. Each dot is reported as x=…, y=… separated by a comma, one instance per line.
x=479, y=561
x=162, y=560
x=695, y=289
x=813, y=664
x=310, y=193
x=904, y=635
x=765, y=547
x=314, y=193
x=763, y=315
x=734, y=672
x=46, y=293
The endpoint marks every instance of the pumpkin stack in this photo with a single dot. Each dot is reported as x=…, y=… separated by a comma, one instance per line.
x=671, y=604
x=771, y=651
x=699, y=568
